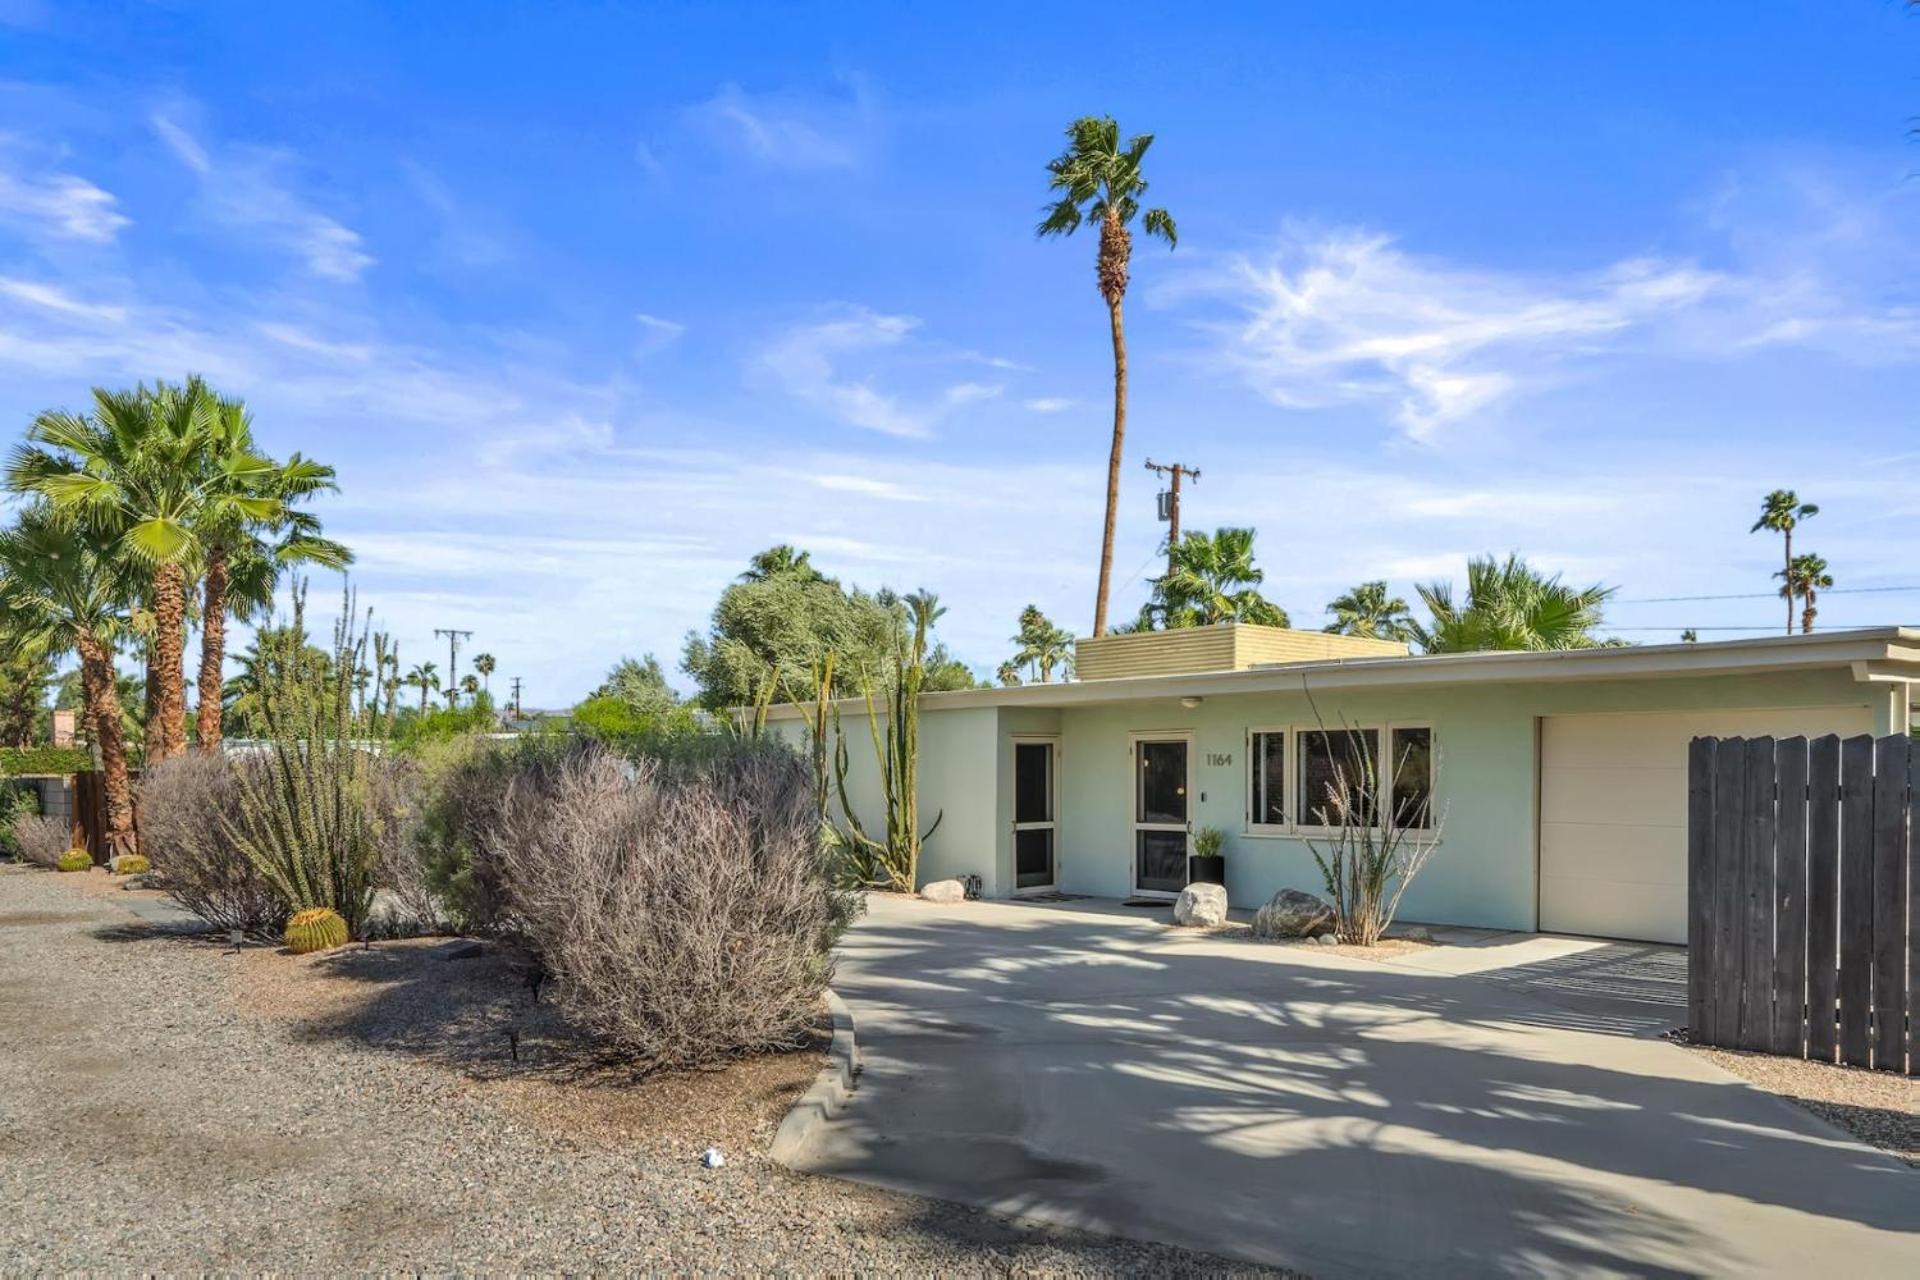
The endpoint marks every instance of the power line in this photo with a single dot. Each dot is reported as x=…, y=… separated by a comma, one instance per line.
x=1761, y=595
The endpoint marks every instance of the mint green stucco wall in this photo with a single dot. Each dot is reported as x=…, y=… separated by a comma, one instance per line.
x=1486, y=779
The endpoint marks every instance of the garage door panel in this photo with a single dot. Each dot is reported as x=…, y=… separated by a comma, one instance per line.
x=1613, y=812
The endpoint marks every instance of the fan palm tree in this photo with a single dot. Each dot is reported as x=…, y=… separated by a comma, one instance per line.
x=1367, y=610
x=781, y=561
x=246, y=551
x=138, y=471
x=1510, y=605
x=1781, y=512
x=426, y=678
x=1211, y=579
x=484, y=663
x=1043, y=645
x=1805, y=576
x=470, y=684
x=62, y=590
x=1099, y=181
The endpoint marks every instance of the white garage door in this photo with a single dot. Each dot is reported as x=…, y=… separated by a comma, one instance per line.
x=1613, y=812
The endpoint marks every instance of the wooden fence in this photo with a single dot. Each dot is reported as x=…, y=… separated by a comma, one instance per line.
x=90, y=812
x=1802, y=895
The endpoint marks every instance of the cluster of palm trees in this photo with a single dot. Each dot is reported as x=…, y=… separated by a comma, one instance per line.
x=155, y=509
x=1044, y=647
x=1804, y=576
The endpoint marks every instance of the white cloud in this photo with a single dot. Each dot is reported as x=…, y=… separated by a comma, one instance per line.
x=785, y=131
x=868, y=486
x=248, y=189
x=62, y=206
x=52, y=298
x=1048, y=404
x=805, y=360
x=301, y=340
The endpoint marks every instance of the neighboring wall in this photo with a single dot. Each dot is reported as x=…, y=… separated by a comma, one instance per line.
x=1484, y=872
x=1233, y=647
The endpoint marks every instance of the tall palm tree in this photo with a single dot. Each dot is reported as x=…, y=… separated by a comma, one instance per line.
x=1510, y=605
x=62, y=590
x=1099, y=181
x=484, y=663
x=249, y=542
x=1211, y=578
x=1780, y=512
x=1043, y=645
x=470, y=684
x=1805, y=576
x=136, y=471
x=1367, y=610
x=426, y=678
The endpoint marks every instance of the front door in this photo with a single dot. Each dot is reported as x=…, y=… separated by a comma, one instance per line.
x=1034, y=822
x=1162, y=783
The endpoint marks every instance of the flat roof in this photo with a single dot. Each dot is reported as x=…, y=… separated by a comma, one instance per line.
x=1883, y=653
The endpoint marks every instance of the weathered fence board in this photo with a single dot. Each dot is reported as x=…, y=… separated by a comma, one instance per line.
x=1803, y=897
x=1790, y=900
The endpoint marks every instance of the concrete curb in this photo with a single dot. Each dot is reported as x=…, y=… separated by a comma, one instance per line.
x=827, y=1096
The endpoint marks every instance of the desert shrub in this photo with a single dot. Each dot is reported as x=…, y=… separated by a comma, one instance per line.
x=74, y=860
x=41, y=840
x=131, y=864
x=685, y=909
x=458, y=787
x=188, y=806
x=17, y=801
x=316, y=929
x=1371, y=856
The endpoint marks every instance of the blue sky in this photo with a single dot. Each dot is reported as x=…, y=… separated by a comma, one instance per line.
x=589, y=302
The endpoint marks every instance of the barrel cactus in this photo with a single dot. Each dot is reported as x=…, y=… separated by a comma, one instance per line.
x=318, y=929
x=131, y=864
x=74, y=860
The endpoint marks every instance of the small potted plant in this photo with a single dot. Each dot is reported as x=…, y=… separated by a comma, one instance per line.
x=1206, y=864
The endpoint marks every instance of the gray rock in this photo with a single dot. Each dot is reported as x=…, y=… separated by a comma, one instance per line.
x=1202, y=906
x=1291, y=914
x=1327, y=940
x=944, y=891
x=145, y=881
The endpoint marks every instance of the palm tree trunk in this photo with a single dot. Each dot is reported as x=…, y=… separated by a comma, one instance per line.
x=103, y=708
x=1114, y=456
x=169, y=653
x=213, y=652
x=1806, y=613
x=1788, y=579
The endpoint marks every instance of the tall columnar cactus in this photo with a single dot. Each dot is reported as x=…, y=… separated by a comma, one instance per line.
x=894, y=859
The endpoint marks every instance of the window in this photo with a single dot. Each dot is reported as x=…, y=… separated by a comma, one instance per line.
x=1268, y=784
x=1412, y=750
x=1337, y=767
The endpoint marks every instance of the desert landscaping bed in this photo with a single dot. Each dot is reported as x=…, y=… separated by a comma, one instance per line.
x=172, y=1105
x=1877, y=1107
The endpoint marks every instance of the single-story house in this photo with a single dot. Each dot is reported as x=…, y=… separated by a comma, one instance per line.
x=1558, y=780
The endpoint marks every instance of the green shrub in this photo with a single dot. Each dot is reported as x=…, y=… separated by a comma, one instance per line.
x=24, y=761
x=17, y=801
x=1207, y=841
x=131, y=864
x=74, y=860
x=317, y=929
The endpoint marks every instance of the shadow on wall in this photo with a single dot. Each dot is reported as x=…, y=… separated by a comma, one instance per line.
x=1340, y=1117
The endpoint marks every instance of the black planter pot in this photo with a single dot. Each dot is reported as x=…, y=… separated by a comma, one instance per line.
x=1207, y=870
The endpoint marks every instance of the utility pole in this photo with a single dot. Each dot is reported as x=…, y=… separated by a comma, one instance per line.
x=516, y=697
x=1170, y=500
x=453, y=660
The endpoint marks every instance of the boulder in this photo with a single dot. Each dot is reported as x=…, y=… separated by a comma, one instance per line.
x=1202, y=906
x=944, y=891
x=1327, y=940
x=1292, y=914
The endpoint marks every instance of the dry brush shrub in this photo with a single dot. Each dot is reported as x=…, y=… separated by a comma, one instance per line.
x=41, y=840
x=188, y=806
x=685, y=909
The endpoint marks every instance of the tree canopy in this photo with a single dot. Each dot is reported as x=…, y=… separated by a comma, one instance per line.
x=1511, y=605
x=1211, y=579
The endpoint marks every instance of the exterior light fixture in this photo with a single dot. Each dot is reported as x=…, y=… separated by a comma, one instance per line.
x=1191, y=701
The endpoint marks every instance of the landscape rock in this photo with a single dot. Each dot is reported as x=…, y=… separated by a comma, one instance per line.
x=1201, y=906
x=1291, y=914
x=944, y=891
x=1327, y=940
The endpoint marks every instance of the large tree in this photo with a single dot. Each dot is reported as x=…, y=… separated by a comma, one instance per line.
x=1211, y=578
x=26, y=671
x=1043, y=646
x=1097, y=180
x=639, y=684
x=1781, y=512
x=1510, y=605
x=1805, y=576
x=1368, y=610
x=63, y=589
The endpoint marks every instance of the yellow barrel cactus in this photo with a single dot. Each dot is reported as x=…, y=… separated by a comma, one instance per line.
x=317, y=929
x=131, y=864
x=74, y=860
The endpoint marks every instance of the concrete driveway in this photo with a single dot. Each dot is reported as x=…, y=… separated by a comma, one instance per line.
x=1497, y=1108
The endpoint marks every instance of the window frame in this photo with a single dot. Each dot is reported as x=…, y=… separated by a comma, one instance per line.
x=1285, y=734
x=1292, y=735
x=1433, y=768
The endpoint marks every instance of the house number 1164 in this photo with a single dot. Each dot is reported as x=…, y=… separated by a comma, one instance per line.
x=1219, y=759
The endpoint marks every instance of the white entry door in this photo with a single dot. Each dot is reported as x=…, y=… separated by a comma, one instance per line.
x=1162, y=812
x=1613, y=812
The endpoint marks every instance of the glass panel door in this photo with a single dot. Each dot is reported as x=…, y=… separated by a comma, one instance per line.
x=1162, y=782
x=1033, y=815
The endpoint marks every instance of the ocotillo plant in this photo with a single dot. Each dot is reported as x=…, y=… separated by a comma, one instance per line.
x=894, y=861
x=820, y=717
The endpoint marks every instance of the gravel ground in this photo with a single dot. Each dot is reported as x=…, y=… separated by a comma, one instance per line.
x=1877, y=1107
x=167, y=1105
